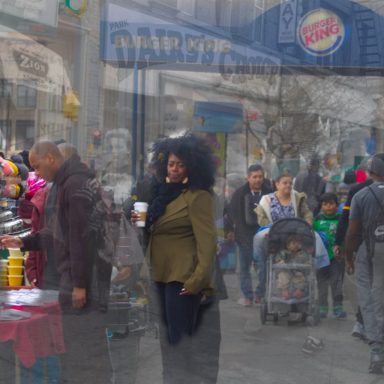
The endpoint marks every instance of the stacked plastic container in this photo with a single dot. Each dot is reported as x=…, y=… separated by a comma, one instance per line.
x=3, y=272
x=15, y=268
x=12, y=260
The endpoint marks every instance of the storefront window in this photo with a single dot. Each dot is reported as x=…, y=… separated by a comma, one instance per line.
x=26, y=96
x=5, y=88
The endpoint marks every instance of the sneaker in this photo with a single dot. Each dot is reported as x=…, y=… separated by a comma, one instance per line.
x=359, y=331
x=339, y=314
x=244, y=302
x=323, y=315
x=377, y=362
x=312, y=345
x=323, y=311
x=294, y=317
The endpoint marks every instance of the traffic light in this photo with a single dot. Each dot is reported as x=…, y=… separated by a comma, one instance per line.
x=71, y=106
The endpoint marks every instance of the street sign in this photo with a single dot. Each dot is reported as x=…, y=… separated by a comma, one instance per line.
x=287, y=21
x=77, y=6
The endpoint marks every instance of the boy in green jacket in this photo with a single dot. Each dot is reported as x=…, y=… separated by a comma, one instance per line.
x=332, y=275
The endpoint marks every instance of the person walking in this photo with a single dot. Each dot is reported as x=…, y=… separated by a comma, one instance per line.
x=69, y=206
x=284, y=203
x=311, y=183
x=358, y=329
x=365, y=238
x=242, y=225
x=331, y=275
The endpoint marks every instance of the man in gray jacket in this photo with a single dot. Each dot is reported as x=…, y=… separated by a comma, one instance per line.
x=366, y=237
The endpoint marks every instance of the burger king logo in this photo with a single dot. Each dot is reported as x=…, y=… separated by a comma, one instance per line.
x=321, y=32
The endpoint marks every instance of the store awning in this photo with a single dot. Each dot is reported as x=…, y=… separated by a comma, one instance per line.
x=22, y=59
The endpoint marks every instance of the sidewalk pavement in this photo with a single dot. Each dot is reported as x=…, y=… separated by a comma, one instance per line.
x=272, y=354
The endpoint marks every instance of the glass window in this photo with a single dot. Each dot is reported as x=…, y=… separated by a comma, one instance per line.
x=270, y=88
x=25, y=134
x=186, y=6
x=4, y=134
x=5, y=88
x=26, y=96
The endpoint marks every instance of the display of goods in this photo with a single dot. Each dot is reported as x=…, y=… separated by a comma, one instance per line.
x=11, y=226
x=6, y=215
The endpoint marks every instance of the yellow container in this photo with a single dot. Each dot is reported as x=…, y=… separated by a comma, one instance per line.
x=15, y=280
x=15, y=261
x=4, y=272
x=15, y=252
x=3, y=282
x=3, y=266
x=15, y=270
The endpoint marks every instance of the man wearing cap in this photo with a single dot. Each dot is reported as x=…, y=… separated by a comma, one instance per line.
x=364, y=238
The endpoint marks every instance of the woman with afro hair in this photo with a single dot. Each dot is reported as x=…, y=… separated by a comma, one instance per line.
x=182, y=246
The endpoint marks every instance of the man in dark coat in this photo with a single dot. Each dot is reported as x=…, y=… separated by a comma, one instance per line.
x=69, y=206
x=243, y=224
x=312, y=184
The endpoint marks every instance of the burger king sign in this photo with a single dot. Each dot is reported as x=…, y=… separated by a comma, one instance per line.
x=321, y=32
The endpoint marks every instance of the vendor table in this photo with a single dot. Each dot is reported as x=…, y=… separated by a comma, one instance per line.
x=36, y=341
x=39, y=336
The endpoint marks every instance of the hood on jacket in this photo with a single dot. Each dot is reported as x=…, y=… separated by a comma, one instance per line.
x=72, y=166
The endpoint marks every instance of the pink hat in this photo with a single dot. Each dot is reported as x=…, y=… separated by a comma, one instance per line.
x=34, y=183
x=361, y=176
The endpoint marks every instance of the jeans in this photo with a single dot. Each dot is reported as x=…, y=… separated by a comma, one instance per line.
x=246, y=260
x=331, y=276
x=86, y=348
x=259, y=258
x=370, y=288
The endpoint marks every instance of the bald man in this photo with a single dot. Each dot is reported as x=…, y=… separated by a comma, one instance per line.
x=69, y=206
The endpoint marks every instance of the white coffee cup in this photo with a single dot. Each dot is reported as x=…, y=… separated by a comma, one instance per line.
x=141, y=208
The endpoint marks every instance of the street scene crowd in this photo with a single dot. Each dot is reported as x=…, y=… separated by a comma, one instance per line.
x=167, y=246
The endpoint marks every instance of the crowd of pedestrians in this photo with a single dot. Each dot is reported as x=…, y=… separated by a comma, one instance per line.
x=62, y=204
x=349, y=220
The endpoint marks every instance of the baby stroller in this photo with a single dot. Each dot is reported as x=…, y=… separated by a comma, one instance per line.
x=290, y=273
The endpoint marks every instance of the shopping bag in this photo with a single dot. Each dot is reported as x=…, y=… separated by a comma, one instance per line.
x=321, y=255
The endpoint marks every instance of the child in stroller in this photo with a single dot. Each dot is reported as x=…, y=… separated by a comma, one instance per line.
x=291, y=282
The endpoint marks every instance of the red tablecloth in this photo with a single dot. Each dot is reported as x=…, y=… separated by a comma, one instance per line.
x=41, y=335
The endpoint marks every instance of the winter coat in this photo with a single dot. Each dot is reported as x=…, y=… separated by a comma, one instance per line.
x=34, y=265
x=182, y=244
x=66, y=229
x=300, y=207
x=243, y=225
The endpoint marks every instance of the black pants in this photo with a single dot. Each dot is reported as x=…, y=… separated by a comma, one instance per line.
x=85, y=340
x=177, y=325
x=86, y=347
x=333, y=276
x=189, y=336
x=206, y=342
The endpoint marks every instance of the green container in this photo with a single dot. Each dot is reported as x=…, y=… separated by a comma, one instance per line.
x=4, y=253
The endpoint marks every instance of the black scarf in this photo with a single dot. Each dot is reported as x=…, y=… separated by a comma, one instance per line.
x=164, y=194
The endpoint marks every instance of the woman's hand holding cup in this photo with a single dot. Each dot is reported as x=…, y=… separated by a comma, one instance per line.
x=139, y=214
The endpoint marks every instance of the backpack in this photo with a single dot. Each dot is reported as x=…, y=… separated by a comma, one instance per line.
x=374, y=233
x=103, y=233
x=104, y=225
